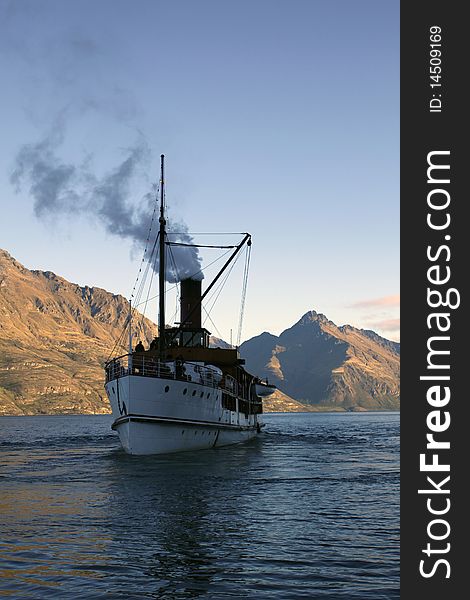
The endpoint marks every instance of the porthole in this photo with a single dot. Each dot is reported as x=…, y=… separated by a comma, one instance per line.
x=185, y=391
x=182, y=432
x=113, y=390
x=202, y=394
x=167, y=388
x=208, y=395
x=194, y=392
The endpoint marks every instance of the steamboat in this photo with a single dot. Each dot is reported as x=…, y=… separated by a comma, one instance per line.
x=181, y=394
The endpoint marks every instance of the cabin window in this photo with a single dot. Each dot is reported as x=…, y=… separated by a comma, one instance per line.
x=167, y=388
x=185, y=391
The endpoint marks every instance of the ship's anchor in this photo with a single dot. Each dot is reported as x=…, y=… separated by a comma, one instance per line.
x=122, y=409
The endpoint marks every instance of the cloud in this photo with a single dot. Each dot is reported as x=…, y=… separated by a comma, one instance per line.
x=378, y=302
x=387, y=324
x=389, y=328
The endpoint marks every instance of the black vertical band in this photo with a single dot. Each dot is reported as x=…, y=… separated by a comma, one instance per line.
x=434, y=324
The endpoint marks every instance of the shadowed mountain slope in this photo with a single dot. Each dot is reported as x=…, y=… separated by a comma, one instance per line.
x=318, y=363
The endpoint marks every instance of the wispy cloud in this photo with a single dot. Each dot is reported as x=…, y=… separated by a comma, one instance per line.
x=387, y=324
x=388, y=328
x=378, y=302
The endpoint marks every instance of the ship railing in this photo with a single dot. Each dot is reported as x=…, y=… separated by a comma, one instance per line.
x=149, y=366
x=229, y=385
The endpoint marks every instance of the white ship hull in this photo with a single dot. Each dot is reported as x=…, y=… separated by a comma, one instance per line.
x=154, y=415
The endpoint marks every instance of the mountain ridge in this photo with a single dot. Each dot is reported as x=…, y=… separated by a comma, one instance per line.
x=320, y=364
x=56, y=335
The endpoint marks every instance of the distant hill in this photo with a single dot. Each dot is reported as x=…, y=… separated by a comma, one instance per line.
x=321, y=364
x=215, y=342
x=55, y=337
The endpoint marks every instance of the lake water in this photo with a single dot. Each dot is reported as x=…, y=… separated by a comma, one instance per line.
x=309, y=509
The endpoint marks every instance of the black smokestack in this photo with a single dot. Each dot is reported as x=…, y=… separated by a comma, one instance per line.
x=191, y=303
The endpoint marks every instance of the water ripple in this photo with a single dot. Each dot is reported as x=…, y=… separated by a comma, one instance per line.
x=307, y=510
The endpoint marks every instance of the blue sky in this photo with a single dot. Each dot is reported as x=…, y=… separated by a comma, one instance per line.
x=281, y=119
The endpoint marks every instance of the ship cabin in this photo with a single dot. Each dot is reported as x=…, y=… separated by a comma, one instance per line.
x=187, y=355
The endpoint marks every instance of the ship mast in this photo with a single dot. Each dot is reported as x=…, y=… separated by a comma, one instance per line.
x=161, y=272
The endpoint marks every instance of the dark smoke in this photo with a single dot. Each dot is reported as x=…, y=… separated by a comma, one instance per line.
x=53, y=183
x=60, y=188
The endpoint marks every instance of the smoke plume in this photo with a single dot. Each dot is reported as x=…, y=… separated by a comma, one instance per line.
x=57, y=187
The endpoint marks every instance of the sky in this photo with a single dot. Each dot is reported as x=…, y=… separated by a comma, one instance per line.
x=280, y=119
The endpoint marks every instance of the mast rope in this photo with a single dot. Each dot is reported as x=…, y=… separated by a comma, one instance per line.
x=154, y=261
x=215, y=326
x=218, y=289
x=190, y=277
x=156, y=189
x=175, y=266
x=140, y=282
x=152, y=258
x=118, y=342
x=243, y=298
x=128, y=321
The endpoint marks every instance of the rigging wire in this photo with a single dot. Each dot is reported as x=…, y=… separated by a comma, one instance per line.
x=118, y=342
x=139, y=316
x=177, y=286
x=219, y=288
x=132, y=309
x=152, y=258
x=190, y=277
x=244, y=288
x=154, y=265
x=136, y=296
x=221, y=283
x=209, y=317
x=148, y=238
x=175, y=266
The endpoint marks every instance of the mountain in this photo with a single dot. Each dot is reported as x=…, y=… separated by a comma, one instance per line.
x=320, y=364
x=54, y=339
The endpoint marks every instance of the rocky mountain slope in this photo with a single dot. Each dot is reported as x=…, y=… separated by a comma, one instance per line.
x=54, y=338
x=320, y=364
